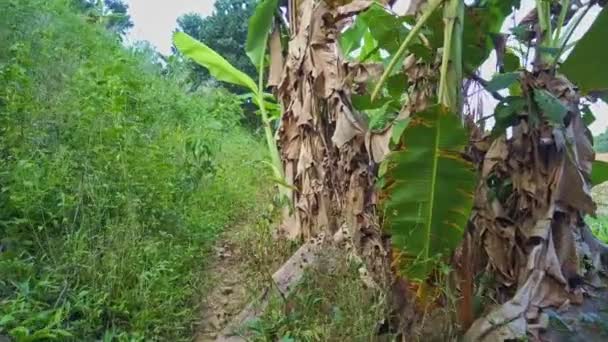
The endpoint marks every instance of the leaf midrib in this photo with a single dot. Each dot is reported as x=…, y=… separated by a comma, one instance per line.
x=433, y=185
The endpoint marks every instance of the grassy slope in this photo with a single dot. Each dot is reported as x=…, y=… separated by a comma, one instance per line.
x=113, y=183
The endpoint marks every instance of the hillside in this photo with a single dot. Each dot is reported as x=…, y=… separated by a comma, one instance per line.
x=114, y=182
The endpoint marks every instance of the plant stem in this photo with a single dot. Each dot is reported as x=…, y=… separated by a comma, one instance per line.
x=277, y=166
x=434, y=4
x=560, y=22
x=571, y=30
x=451, y=65
x=543, y=8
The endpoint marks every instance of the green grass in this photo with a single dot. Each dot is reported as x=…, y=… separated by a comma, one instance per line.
x=331, y=304
x=599, y=227
x=114, y=182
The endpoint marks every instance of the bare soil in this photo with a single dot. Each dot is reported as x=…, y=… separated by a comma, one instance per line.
x=227, y=292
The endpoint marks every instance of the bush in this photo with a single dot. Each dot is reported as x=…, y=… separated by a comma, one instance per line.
x=113, y=183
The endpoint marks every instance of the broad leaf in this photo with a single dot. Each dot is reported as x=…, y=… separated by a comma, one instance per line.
x=506, y=113
x=351, y=39
x=216, y=64
x=260, y=24
x=511, y=61
x=364, y=102
x=396, y=86
x=599, y=172
x=502, y=81
x=380, y=118
x=482, y=21
x=413, y=34
x=379, y=113
x=429, y=191
x=551, y=106
x=434, y=30
x=386, y=30
x=370, y=50
x=398, y=127
x=584, y=65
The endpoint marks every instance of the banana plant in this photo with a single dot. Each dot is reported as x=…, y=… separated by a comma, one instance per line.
x=257, y=39
x=427, y=184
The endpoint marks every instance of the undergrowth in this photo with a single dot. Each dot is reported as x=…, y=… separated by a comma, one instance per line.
x=113, y=182
x=262, y=252
x=330, y=304
x=599, y=224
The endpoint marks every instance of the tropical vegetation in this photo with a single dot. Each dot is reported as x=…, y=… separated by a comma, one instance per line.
x=408, y=212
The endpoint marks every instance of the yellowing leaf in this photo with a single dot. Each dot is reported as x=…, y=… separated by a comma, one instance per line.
x=429, y=191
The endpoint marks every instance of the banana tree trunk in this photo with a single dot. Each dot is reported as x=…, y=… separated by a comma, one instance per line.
x=323, y=140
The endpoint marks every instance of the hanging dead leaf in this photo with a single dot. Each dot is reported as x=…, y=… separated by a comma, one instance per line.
x=377, y=143
x=276, y=58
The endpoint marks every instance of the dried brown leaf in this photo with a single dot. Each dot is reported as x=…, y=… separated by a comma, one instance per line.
x=353, y=7
x=377, y=143
x=347, y=126
x=276, y=58
x=497, y=153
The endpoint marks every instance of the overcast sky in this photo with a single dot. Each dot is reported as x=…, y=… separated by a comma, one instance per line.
x=155, y=21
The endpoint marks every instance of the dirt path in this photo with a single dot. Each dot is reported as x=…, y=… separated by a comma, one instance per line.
x=227, y=292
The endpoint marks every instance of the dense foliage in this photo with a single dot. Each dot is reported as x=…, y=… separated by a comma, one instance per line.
x=113, y=182
x=113, y=14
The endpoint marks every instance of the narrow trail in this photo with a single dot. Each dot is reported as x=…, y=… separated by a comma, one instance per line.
x=227, y=291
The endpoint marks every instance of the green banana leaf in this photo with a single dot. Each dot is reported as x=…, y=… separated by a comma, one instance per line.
x=214, y=62
x=483, y=20
x=260, y=24
x=429, y=191
x=382, y=27
x=584, y=65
